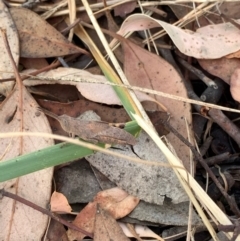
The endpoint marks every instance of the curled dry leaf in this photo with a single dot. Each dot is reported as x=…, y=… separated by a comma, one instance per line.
x=235, y=85
x=59, y=203
x=202, y=44
x=97, y=92
x=109, y=200
x=38, y=39
x=233, y=55
x=5, y=66
x=118, y=202
x=141, y=231
x=18, y=221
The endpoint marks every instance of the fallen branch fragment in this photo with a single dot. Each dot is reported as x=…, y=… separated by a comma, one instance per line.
x=42, y=210
x=231, y=201
x=226, y=124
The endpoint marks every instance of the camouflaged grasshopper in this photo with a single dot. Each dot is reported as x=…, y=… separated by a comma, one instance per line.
x=93, y=131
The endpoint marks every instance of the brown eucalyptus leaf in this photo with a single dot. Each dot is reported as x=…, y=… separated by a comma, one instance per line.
x=59, y=203
x=32, y=63
x=205, y=43
x=97, y=92
x=222, y=68
x=235, y=84
x=38, y=39
x=85, y=219
x=109, y=200
x=147, y=70
x=18, y=221
x=106, y=227
x=124, y=9
x=118, y=202
x=12, y=36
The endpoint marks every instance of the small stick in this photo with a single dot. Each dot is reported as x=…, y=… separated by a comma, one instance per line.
x=226, y=124
x=44, y=211
x=34, y=73
x=198, y=73
x=206, y=145
x=217, y=116
x=217, y=159
x=231, y=201
x=231, y=228
x=66, y=30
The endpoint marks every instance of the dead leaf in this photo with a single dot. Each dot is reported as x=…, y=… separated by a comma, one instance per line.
x=168, y=213
x=124, y=9
x=85, y=219
x=118, y=202
x=147, y=182
x=139, y=230
x=233, y=55
x=12, y=35
x=145, y=69
x=235, y=84
x=38, y=39
x=107, y=199
x=131, y=231
x=56, y=231
x=18, y=113
x=97, y=92
x=59, y=203
x=31, y=63
x=222, y=68
x=202, y=44
x=227, y=70
x=70, y=179
x=106, y=228
x=18, y=221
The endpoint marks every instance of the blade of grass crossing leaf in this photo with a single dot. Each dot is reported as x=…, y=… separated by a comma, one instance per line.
x=123, y=94
x=49, y=157
x=189, y=182
x=127, y=97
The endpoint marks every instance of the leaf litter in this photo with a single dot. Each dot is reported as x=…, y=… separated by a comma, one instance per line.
x=18, y=112
x=158, y=188
x=5, y=66
x=38, y=39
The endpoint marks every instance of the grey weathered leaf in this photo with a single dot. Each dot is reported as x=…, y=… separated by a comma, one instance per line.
x=147, y=182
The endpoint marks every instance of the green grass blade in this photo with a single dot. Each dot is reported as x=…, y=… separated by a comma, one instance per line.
x=48, y=157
